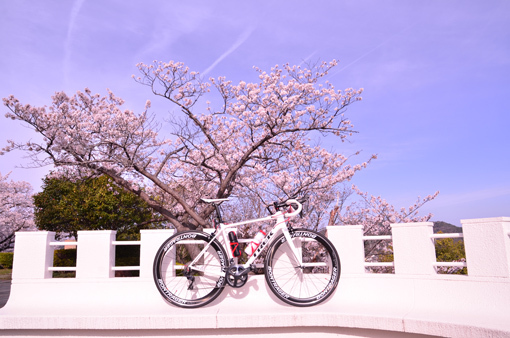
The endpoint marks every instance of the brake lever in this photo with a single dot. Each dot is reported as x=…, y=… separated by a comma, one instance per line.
x=276, y=206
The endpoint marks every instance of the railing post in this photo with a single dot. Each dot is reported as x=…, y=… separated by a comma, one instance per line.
x=33, y=255
x=348, y=241
x=151, y=240
x=487, y=246
x=96, y=254
x=413, y=249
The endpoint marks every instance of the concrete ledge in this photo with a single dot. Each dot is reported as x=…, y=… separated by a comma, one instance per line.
x=296, y=332
x=366, y=304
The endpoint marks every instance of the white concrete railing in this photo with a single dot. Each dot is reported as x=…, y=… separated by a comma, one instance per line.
x=449, y=264
x=413, y=300
x=378, y=264
x=392, y=264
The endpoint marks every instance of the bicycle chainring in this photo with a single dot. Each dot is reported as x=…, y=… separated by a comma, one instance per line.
x=237, y=275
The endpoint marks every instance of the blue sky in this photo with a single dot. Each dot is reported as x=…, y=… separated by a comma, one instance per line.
x=436, y=76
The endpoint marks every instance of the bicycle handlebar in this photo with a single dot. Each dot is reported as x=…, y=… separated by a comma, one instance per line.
x=296, y=212
x=295, y=203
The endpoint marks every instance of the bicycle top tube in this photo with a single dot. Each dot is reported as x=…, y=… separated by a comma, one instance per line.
x=274, y=216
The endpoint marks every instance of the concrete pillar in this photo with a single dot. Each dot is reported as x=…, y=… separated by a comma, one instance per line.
x=151, y=240
x=413, y=249
x=487, y=246
x=348, y=241
x=95, y=256
x=33, y=255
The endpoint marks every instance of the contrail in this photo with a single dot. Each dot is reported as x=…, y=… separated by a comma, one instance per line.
x=375, y=48
x=307, y=58
x=67, y=46
x=242, y=38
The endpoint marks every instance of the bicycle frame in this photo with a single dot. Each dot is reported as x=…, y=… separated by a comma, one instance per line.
x=301, y=266
x=281, y=219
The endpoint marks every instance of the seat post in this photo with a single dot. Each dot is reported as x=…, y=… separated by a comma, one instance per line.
x=218, y=213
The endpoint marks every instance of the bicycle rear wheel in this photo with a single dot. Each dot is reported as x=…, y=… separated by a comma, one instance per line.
x=308, y=283
x=190, y=286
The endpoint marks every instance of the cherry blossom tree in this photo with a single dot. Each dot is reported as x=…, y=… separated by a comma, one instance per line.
x=16, y=210
x=260, y=141
x=376, y=215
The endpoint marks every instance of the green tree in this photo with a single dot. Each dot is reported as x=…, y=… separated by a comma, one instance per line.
x=93, y=203
x=450, y=250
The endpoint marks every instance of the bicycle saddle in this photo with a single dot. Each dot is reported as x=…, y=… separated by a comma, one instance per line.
x=214, y=200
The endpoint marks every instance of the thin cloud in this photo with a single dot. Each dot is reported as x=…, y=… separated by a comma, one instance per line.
x=473, y=196
x=242, y=38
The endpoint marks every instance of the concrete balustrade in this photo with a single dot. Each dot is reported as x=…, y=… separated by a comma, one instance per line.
x=348, y=241
x=95, y=256
x=33, y=255
x=152, y=240
x=487, y=246
x=412, y=302
x=413, y=250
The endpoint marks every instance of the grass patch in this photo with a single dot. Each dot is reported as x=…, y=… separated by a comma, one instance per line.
x=5, y=274
x=64, y=274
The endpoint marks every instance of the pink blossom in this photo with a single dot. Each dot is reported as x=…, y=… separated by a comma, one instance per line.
x=16, y=210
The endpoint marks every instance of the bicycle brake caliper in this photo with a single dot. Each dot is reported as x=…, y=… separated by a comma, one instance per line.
x=290, y=228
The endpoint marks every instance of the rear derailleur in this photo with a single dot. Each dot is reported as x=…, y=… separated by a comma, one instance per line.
x=191, y=279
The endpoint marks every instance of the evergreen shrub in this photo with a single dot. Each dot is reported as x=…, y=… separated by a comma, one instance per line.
x=6, y=259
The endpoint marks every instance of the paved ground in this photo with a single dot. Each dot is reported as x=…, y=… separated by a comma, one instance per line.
x=5, y=290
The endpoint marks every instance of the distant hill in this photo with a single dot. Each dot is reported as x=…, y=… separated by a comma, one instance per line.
x=446, y=228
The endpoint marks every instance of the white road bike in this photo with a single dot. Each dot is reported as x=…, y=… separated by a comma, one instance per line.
x=301, y=267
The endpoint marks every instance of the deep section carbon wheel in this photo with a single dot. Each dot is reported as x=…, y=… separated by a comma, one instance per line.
x=307, y=283
x=186, y=285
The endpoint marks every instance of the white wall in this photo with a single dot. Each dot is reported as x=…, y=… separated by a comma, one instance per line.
x=414, y=300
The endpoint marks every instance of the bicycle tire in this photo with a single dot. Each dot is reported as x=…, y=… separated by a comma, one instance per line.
x=305, y=285
x=200, y=286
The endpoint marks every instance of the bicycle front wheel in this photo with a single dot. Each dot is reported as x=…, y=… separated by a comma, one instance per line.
x=190, y=285
x=309, y=282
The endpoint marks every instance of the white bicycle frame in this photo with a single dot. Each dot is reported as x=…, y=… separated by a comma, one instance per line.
x=281, y=219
